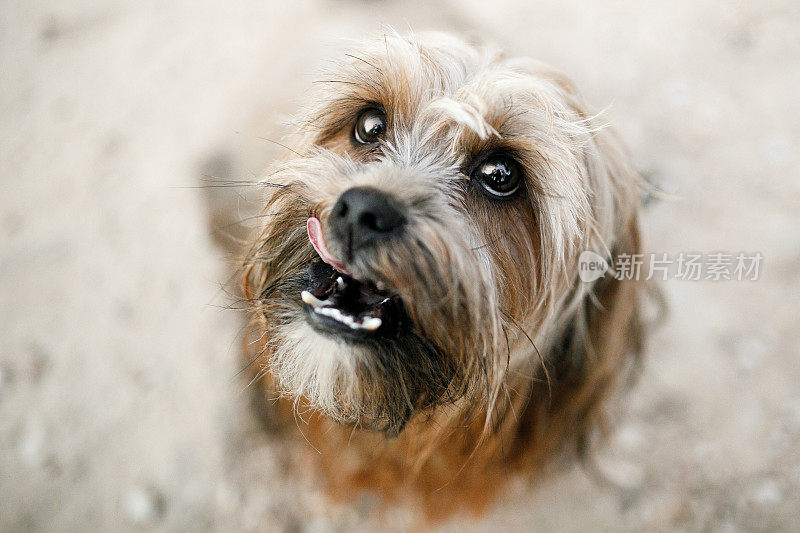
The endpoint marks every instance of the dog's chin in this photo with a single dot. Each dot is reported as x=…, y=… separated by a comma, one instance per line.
x=350, y=351
x=337, y=374
x=319, y=369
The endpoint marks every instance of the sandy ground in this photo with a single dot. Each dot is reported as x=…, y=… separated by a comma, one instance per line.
x=120, y=405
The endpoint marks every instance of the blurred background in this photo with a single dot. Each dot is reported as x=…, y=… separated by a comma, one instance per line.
x=120, y=403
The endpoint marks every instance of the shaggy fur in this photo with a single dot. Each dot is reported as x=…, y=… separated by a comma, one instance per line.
x=504, y=357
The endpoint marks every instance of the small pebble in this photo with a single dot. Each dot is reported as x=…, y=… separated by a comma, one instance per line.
x=143, y=506
x=777, y=149
x=767, y=493
x=677, y=93
x=625, y=474
x=31, y=447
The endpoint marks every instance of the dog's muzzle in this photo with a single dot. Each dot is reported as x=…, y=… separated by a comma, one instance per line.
x=335, y=302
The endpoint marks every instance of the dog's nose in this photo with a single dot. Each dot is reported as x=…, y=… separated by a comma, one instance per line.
x=363, y=215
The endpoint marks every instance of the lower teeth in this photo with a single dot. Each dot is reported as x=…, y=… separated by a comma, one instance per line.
x=319, y=307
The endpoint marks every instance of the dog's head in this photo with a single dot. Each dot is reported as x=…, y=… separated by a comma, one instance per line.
x=421, y=238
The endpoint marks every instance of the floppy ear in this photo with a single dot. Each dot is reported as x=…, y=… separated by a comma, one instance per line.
x=596, y=352
x=602, y=339
x=604, y=343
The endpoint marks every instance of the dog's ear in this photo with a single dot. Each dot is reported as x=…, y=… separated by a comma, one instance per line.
x=602, y=341
x=598, y=351
x=605, y=343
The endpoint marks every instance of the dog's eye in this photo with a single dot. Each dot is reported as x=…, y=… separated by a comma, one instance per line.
x=370, y=125
x=499, y=176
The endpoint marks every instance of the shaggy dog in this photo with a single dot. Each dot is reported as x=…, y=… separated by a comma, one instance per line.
x=415, y=300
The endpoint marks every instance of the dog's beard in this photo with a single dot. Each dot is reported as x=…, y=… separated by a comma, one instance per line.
x=437, y=340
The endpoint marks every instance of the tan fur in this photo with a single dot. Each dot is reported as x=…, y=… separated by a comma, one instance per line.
x=530, y=352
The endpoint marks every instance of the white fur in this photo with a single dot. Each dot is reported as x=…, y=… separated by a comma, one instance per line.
x=315, y=366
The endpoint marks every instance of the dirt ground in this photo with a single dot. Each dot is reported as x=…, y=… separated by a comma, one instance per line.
x=120, y=404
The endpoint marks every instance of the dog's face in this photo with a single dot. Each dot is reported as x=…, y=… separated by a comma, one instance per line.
x=423, y=233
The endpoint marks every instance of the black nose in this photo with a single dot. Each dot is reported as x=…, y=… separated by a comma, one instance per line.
x=363, y=215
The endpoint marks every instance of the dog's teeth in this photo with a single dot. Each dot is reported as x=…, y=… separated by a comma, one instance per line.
x=372, y=323
x=340, y=283
x=310, y=299
x=337, y=316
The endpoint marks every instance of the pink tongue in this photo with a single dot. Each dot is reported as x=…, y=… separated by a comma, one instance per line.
x=318, y=242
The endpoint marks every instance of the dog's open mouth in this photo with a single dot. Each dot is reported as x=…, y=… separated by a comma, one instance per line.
x=338, y=303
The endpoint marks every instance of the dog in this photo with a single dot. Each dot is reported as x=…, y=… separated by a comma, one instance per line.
x=415, y=305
